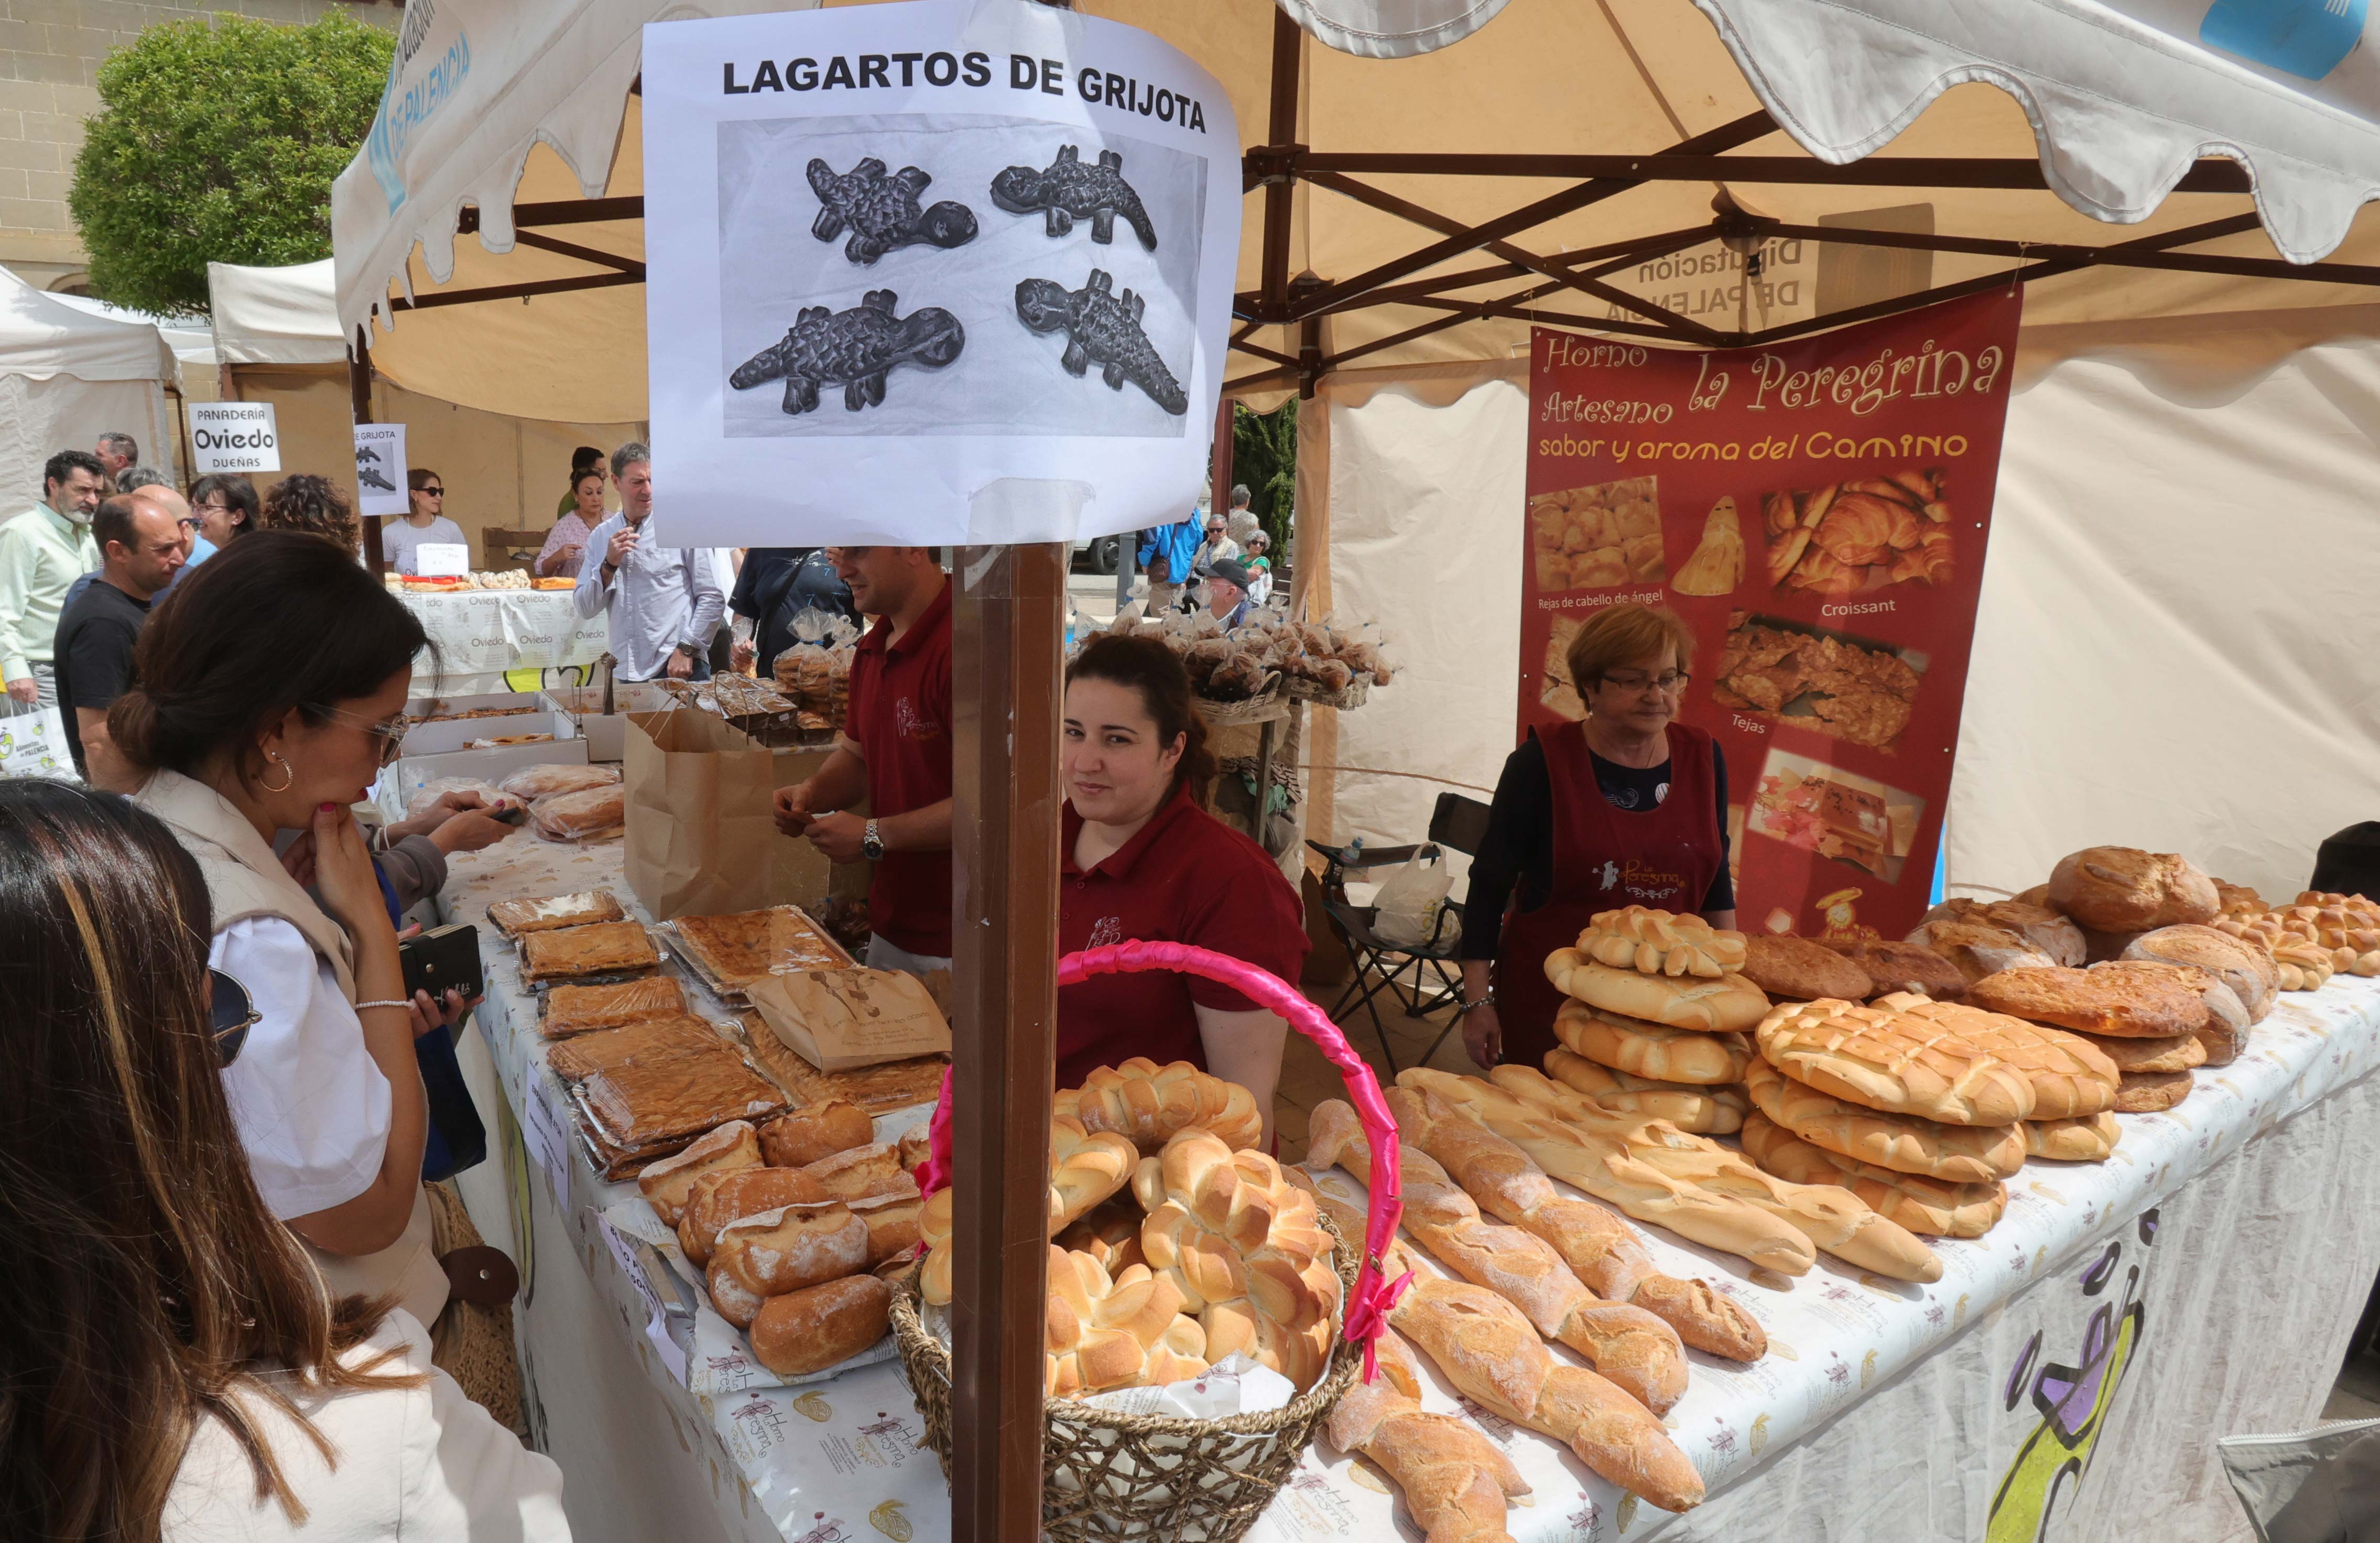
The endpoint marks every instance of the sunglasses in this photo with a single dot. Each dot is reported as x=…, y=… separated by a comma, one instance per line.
x=434, y=493
x=233, y=1014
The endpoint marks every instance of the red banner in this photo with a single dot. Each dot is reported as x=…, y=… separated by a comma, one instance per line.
x=1817, y=512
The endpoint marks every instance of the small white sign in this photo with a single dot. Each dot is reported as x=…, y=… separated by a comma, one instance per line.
x=441, y=560
x=233, y=436
x=381, y=469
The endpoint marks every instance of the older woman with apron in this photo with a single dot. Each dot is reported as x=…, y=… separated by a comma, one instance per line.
x=1628, y=808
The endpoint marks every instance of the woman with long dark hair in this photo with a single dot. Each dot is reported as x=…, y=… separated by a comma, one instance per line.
x=266, y=698
x=1140, y=859
x=173, y=1368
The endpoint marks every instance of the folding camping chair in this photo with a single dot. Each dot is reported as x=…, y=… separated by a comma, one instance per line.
x=1456, y=824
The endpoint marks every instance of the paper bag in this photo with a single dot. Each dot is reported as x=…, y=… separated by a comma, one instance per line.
x=799, y=873
x=839, y=1020
x=699, y=829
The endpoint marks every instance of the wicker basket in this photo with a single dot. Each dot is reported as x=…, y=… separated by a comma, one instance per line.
x=1109, y=1476
x=1355, y=694
x=1254, y=708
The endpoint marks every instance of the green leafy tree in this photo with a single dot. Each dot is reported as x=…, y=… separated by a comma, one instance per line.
x=1264, y=456
x=217, y=140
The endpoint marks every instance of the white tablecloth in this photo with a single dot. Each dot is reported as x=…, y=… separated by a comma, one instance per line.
x=484, y=637
x=2207, y=1276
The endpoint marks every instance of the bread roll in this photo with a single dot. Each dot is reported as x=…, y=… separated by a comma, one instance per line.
x=2246, y=968
x=1110, y=1235
x=1703, y=1110
x=2177, y=1054
x=734, y=1301
x=893, y=1224
x=1655, y=1051
x=2222, y=1041
x=2131, y=1001
x=2150, y=1092
x=860, y=1171
x=666, y=1183
x=1123, y=1331
x=2084, y=1140
x=718, y=1198
x=1150, y=1104
x=1977, y=951
x=1894, y=1062
x=1726, y=1005
x=1928, y=1206
x=1662, y=942
x=1797, y=969
x=792, y=1247
x=815, y=1131
x=1904, y=967
x=2122, y=888
x=1955, y=1154
x=821, y=1326
x=2036, y=925
x=2070, y=1075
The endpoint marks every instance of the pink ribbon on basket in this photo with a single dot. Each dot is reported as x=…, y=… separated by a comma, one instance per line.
x=1374, y=1297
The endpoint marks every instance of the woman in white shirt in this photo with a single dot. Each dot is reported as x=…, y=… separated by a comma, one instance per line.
x=175, y=1369
x=267, y=699
x=425, y=525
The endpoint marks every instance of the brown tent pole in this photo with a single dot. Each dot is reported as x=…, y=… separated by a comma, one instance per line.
x=359, y=384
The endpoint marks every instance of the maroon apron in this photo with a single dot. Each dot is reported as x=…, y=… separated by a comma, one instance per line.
x=1605, y=858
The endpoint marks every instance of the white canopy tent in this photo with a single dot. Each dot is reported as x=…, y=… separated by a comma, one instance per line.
x=275, y=315
x=67, y=376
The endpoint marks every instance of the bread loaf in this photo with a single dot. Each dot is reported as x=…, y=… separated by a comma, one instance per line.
x=2122, y=888
x=1655, y=1051
x=718, y=1198
x=1903, y=966
x=666, y=1183
x=1976, y=951
x=2245, y=968
x=821, y=1325
x=2152, y=1092
x=1455, y=1481
x=2132, y=1000
x=2069, y=1075
x=1150, y=1104
x=2222, y=1041
x=2304, y=966
x=2038, y=926
x=1924, y=1206
x=1110, y=1235
x=1894, y=1062
x=1609, y=1170
x=1489, y=1350
x=1797, y=969
x=1724, y=1005
x=1600, y=1247
x=2083, y=1140
x=1662, y=942
x=1085, y=1168
x=934, y=1232
x=1123, y=1331
x=815, y=1131
x=1640, y=1355
x=791, y=1247
x=857, y=1173
x=1838, y=1222
x=1703, y=1110
x=2177, y=1054
x=1954, y=1154
x=893, y=1224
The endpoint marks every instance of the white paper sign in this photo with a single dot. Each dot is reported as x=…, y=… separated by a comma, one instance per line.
x=441, y=560
x=233, y=436
x=943, y=271
x=380, y=469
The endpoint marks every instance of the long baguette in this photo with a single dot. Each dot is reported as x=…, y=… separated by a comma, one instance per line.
x=1835, y=1219
x=1455, y=1480
x=1489, y=1350
x=1610, y=1171
x=1608, y=1256
x=1639, y=1352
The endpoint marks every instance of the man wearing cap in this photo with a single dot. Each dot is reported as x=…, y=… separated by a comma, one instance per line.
x=1227, y=592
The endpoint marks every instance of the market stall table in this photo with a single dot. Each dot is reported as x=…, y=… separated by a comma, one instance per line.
x=484, y=637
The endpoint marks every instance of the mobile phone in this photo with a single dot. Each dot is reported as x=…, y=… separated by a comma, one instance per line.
x=444, y=959
x=511, y=814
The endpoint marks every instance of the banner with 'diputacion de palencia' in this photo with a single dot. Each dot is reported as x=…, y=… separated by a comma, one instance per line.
x=1816, y=511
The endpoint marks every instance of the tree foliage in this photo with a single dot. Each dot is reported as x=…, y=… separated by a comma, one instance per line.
x=217, y=140
x=1264, y=455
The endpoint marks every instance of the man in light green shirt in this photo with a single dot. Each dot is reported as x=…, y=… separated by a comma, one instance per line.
x=43, y=551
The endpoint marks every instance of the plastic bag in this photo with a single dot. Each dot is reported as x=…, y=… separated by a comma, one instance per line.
x=2311, y=1487
x=436, y=788
x=1406, y=914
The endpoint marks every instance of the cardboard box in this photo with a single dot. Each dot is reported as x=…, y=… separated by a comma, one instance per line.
x=453, y=734
x=400, y=782
x=606, y=734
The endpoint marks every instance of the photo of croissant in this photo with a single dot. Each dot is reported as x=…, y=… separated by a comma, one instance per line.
x=1598, y=538
x=1864, y=535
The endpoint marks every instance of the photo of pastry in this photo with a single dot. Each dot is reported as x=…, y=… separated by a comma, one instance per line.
x=1811, y=678
x=1836, y=814
x=1848, y=537
x=1559, y=693
x=1602, y=537
x=1717, y=566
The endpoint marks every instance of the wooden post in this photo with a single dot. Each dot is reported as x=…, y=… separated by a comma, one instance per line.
x=359, y=384
x=1221, y=472
x=1007, y=631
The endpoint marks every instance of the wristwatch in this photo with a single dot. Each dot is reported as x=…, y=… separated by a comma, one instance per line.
x=871, y=846
x=690, y=651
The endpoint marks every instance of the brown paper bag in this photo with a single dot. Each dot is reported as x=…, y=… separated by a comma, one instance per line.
x=699, y=829
x=838, y=1020
x=799, y=873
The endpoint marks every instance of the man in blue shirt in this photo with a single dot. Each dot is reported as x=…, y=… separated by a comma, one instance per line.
x=1166, y=554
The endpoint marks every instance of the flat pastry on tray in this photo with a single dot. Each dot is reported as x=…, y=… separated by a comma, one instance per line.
x=513, y=918
x=878, y=1089
x=738, y=949
x=581, y=1009
x=677, y=1099
x=605, y=948
x=583, y=1055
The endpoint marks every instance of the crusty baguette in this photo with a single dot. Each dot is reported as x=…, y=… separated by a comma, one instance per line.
x=1922, y=1204
x=1489, y=1350
x=1150, y=1104
x=1602, y=1248
x=1955, y=1154
x=1610, y=1171
x=1455, y=1481
x=1639, y=1352
x=1704, y=1111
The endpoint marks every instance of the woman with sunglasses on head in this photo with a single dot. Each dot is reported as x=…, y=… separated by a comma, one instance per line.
x=175, y=1369
x=424, y=524
x=267, y=697
x=1628, y=808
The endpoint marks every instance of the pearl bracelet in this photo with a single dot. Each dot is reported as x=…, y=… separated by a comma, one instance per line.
x=398, y=1002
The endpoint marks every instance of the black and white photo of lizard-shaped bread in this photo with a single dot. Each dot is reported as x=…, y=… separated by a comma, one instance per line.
x=1102, y=328
x=855, y=349
x=1066, y=191
x=882, y=210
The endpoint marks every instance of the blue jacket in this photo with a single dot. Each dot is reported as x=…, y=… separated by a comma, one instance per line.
x=1178, y=544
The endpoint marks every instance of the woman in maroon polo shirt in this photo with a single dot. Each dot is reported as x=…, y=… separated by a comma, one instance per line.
x=1626, y=809
x=1140, y=860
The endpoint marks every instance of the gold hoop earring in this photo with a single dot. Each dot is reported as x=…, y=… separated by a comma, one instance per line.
x=289, y=774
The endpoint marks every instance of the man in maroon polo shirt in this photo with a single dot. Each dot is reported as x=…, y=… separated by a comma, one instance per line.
x=894, y=752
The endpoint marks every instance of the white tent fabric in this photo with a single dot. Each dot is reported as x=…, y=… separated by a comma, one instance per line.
x=41, y=335
x=275, y=315
x=188, y=337
x=67, y=376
